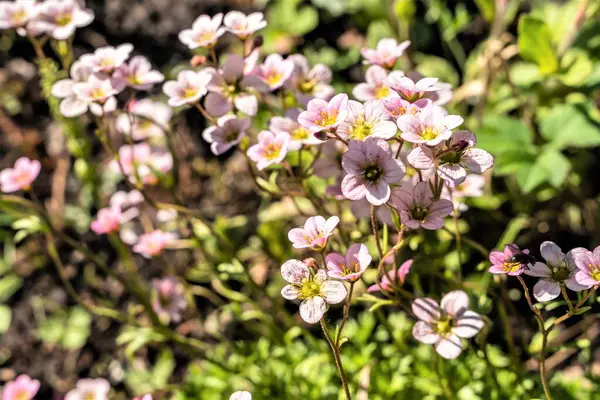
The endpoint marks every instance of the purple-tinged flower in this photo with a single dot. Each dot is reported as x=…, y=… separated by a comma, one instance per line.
x=370, y=170
x=455, y=161
x=396, y=107
x=146, y=119
x=588, y=263
x=314, y=234
x=364, y=121
x=204, y=33
x=508, y=261
x=60, y=18
x=385, y=283
x=138, y=74
x=140, y=160
x=330, y=162
x=72, y=106
x=444, y=325
x=85, y=389
x=351, y=266
x=168, y=300
x=21, y=176
x=270, y=149
x=431, y=126
x=230, y=86
x=16, y=15
x=22, y=388
x=309, y=83
x=107, y=59
x=241, y=395
x=322, y=115
x=152, y=244
x=243, y=25
x=387, y=52
x=189, y=87
x=97, y=93
x=418, y=208
x=108, y=220
x=315, y=289
x=375, y=87
x=228, y=132
x=299, y=135
x=558, y=270
x=274, y=72
x=409, y=90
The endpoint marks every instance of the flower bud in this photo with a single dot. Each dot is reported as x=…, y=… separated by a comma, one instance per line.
x=198, y=60
x=311, y=263
x=258, y=42
x=321, y=135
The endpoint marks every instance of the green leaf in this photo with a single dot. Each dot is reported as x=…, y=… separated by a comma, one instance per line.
x=487, y=9
x=5, y=318
x=163, y=369
x=569, y=125
x=551, y=166
x=582, y=310
x=576, y=67
x=500, y=134
x=535, y=44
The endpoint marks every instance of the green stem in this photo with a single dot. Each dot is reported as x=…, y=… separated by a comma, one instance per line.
x=337, y=358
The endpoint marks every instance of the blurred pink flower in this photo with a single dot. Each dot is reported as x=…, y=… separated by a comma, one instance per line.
x=299, y=135
x=138, y=74
x=351, y=266
x=60, y=18
x=107, y=59
x=375, y=87
x=588, y=263
x=270, y=149
x=418, y=208
x=387, y=52
x=243, y=25
x=431, y=126
x=168, y=299
x=21, y=176
x=86, y=389
x=314, y=234
x=228, y=132
x=370, y=170
x=189, y=87
x=409, y=90
x=396, y=107
x=274, y=71
x=16, y=15
x=140, y=160
x=315, y=289
x=109, y=219
x=153, y=243
x=385, y=283
x=22, y=388
x=145, y=397
x=504, y=262
x=309, y=83
x=97, y=94
x=146, y=119
x=364, y=121
x=72, y=106
x=445, y=325
x=322, y=115
x=205, y=32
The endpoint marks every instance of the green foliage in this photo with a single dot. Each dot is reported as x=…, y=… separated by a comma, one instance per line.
x=535, y=44
x=69, y=329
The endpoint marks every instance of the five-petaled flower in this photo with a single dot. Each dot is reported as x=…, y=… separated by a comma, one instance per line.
x=60, y=18
x=205, y=32
x=107, y=59
x=308, y=83
x=189, y=87
x=508, y=261
x=387, y=52
x=431, y=126
x=418, y=207
x=274, y=71
x=588, y=263
x=138, y=74
x=370, y=170
x=351, y=266
x=314, y=234
x=227, y=133
x=299, y=135
x=397, y=107
x=21, y=176
x=145, y=119
x=243, y=25
x=22, y=388
x=443, y=325
x=375, y=87
x=315, y=289
x=153, y=243
x=85, y=389
x=16, y=15
x=368, y=120
x=270, y=149
x=322, y=115
x=411, y=91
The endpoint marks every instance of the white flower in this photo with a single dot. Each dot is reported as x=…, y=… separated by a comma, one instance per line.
x=146, y=119
x=204, y=33
x=241, y=396
x=72, y=106
x=243, y=25
x=16, y=15
x=85, y=389
x=189, y=87
x=107, y=59
x=60, y=18
x=138, y=74
x=98, y=93
x=368, y=120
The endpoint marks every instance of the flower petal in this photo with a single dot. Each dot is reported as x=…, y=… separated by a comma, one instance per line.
x=294, y=271
x=423, y=333
x=313, y=309
x=546, y=290
x=333, y=292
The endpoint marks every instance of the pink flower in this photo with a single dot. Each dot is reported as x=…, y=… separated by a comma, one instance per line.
x=275, y=71
x=350, y=267
x=97, y=94
x=370, y=170
x=299, y=135
x=228, y=132
x=454, y=161
x=445, y=325
x=241, y=396
x=314, y=234
x=60, y=18
x=438, y=97
x=364, y=121
x=85, y=389
x=588, y=263
x=140, y=160
x=243, y=25
x=153, y=243
x=270, y=149
x=315, y=289
x=146, y=119
x=189, y=87
x=375, y=87
x=396, y=107
x=329, y=164
x=409, y=90
x=21, y=176
x=204, y=33
x=107, y=59
x=229, y=86
x=386, y=53
x=558, y=270
x=431, y=126
x=418, y=208
x=168, y=299
x=109, y=219
x=507, y=261
x=309, y=83
x=322, y=115
x=138, y=74
x=22, y=388
x=385, y=283
x=16, y=15
x=146, y=397
x=126, y=199
x=72, y=106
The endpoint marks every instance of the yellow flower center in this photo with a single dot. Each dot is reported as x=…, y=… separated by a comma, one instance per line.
x=271, y=151
x=595, y=272
x=300, y=133
x=97, y=93
x=361, y=131
x=206, y=36
x=64, y=19
x=189, y=92
x=18, y=18
x=21, y=395
x=444, y=326
x=273, y=76
x=89, y=396
x=429, y=133
x=327, y=119
x=309, y=288
x=511, y=266
x=382, y=92
x=307, y=86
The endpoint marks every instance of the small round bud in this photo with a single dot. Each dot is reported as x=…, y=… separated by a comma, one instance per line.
x=321, y=135
x=258, y=42
x=311, y=263
x=198, y=60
